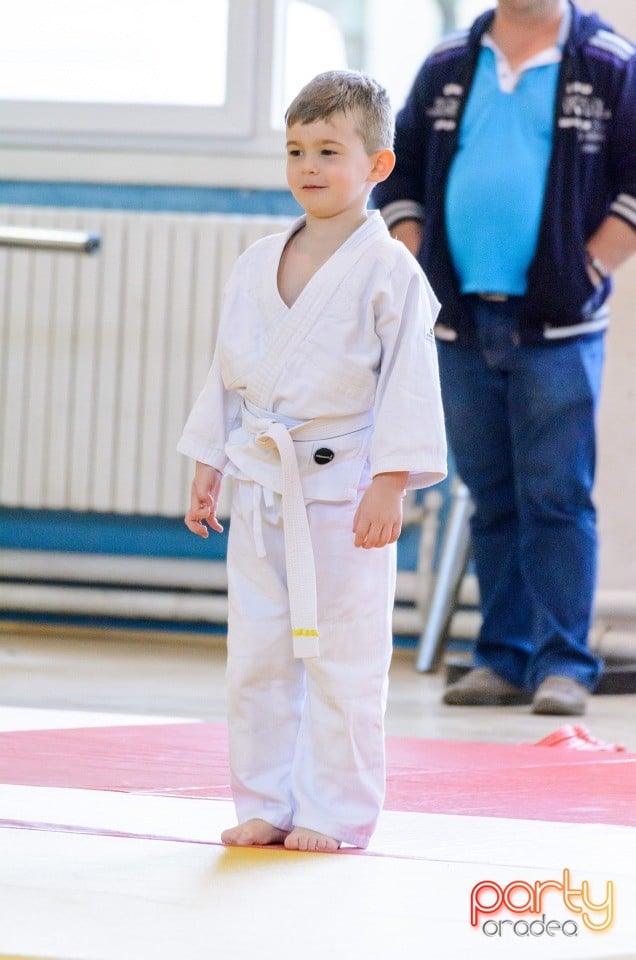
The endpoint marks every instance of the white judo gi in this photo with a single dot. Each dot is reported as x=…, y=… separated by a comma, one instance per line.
x=303, y=405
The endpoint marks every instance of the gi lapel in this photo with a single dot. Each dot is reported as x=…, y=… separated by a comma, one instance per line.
x=296, y=321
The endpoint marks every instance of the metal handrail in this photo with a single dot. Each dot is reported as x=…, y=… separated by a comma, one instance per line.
x=39, y=238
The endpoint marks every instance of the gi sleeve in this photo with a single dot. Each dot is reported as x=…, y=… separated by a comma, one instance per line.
x=409, y=432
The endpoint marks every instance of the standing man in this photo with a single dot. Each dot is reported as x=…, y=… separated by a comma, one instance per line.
x=515, y=186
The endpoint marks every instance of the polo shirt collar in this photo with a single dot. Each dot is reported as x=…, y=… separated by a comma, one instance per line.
x=509, y=78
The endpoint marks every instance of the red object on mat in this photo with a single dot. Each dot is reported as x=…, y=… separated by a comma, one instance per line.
x=577, y=737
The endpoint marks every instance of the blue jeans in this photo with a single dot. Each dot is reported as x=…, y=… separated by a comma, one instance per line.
x=521, y=425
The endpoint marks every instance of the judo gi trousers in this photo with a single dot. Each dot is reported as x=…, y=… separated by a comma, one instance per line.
x=307, y=736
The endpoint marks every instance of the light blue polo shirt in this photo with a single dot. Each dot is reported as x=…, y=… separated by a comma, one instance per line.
x=496, y=185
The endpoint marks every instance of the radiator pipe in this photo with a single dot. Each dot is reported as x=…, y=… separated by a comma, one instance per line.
x=38, y=238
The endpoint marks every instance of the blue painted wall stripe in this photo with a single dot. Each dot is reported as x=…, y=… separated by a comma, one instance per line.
x=171, y=199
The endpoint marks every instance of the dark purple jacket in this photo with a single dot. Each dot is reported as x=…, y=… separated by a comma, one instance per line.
x=592, y=172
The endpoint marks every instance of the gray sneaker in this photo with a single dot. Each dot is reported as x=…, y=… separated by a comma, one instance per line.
x=482, y=687
x=560, y=696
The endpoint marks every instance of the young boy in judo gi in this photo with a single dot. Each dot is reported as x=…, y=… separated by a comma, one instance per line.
x=323, y=404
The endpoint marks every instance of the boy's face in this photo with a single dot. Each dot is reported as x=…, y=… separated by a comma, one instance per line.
x=329, y=171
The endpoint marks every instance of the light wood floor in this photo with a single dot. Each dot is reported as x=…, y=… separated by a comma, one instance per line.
x=180, y=676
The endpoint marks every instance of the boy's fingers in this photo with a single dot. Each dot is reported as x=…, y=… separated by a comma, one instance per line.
x=196, y=526
x=208, y=514
x=197, y=518
x=361, y=535
x=371, y=538
x=379, y=535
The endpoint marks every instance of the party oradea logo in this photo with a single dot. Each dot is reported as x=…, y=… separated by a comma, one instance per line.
x=522, y=909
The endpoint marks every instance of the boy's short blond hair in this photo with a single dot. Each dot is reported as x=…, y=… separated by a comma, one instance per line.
x=351, y=93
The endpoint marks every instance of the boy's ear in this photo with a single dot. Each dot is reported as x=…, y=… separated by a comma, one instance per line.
x=383, y=163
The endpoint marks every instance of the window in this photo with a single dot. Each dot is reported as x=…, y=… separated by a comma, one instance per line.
x=313, y=41
x=141, y=68
x=101, y=52
x=385, y=38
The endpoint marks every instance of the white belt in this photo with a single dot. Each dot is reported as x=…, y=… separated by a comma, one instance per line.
x=299, y=554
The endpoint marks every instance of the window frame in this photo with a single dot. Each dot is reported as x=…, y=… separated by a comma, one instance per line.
x=138, y=125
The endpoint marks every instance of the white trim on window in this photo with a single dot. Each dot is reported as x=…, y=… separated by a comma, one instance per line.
x=251, y=165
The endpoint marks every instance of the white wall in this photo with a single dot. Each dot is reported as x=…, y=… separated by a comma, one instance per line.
x=616, y=484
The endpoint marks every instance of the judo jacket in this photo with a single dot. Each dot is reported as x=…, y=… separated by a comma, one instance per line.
x=592, y=173
x=350, y=369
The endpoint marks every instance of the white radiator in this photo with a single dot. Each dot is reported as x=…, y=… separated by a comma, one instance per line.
x=102, y=356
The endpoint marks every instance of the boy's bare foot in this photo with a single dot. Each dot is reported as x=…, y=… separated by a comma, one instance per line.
x=302, y=839
x=253, y=833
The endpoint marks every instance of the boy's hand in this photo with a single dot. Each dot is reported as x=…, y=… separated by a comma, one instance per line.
x=204, y=496
x=378, y=519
